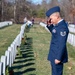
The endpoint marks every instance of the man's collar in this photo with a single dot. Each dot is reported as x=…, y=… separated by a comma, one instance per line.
x=60, y=20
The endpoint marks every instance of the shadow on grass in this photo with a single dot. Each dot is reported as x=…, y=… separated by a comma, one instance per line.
x=25, y=71
x=26, y=62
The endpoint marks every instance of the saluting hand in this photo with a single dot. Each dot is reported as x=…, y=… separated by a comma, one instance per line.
x=57, y=61
x=49, y=22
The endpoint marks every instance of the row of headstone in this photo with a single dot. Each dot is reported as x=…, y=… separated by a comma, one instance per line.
x=71, y=37
x=10, y=53
x=72, y=28
x=44, y=25
x=72, y=25
x=5, y=23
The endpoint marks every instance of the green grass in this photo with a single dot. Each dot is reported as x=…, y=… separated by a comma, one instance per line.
x=34, y=55
x=7, y=35
x=71, y=51
x=69, y=68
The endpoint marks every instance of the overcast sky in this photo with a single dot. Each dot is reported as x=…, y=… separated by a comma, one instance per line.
x=33, y=1
x=37, y=1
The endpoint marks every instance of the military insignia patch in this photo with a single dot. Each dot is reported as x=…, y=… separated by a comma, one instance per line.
x=63, y=33
x=54, y=31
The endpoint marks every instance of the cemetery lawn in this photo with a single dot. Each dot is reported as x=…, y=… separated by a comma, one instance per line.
x=33, y=58
x=7, y=35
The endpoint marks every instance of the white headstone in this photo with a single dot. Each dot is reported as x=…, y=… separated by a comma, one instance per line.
x=1, y=67
x=7, y=54
x=3, y=60
x=71, y=39
x=9, y=49
x=12, y=47
x=74, y=40
x=15, y=50
x=18, y=40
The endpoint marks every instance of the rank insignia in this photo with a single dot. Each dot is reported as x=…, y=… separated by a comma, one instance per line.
x=63, y=33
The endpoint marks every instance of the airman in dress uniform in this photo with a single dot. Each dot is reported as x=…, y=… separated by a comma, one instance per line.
x=58, y=51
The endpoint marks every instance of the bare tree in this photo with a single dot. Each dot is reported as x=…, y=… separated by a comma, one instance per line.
x=54, y=3
x=68, y=9
x=0, y=10
x=22, y=8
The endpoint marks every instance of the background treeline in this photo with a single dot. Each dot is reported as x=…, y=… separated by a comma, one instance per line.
x=17, y=9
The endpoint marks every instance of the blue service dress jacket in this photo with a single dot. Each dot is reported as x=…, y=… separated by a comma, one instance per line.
x=58, y=49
